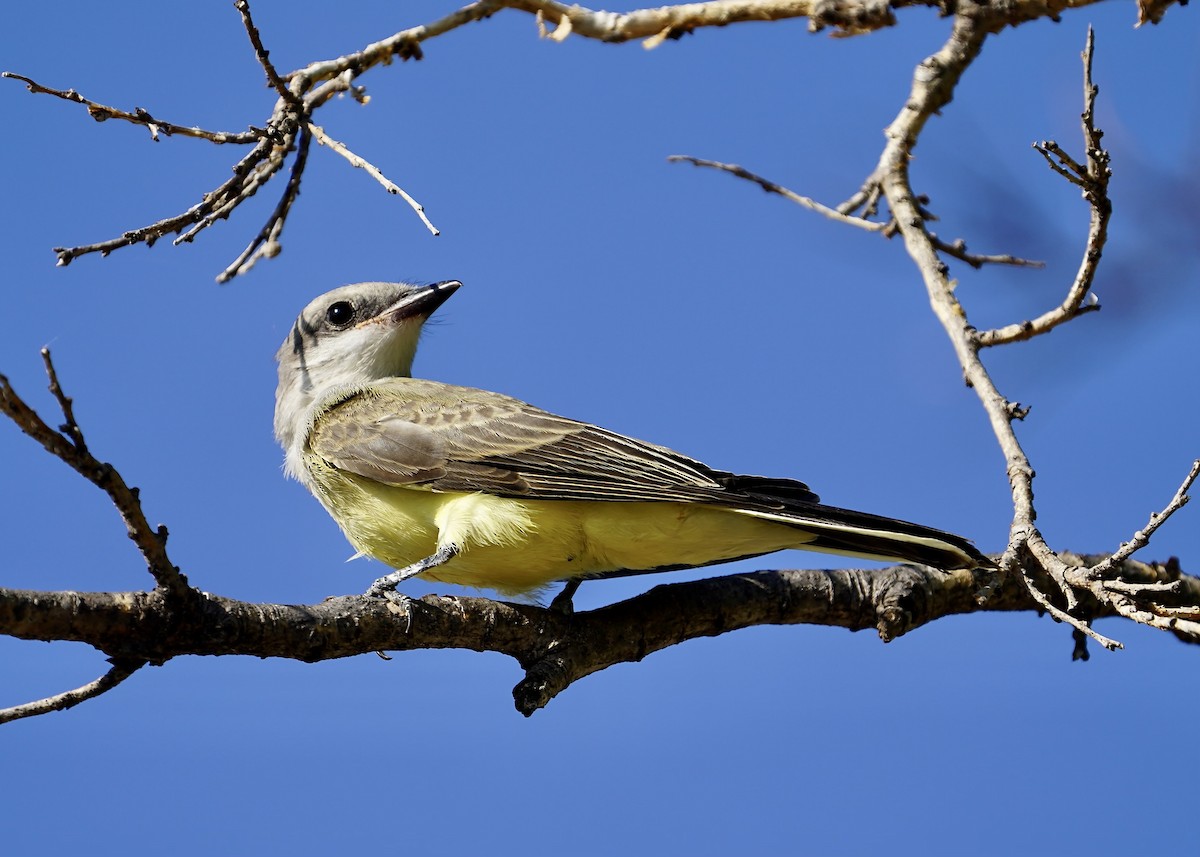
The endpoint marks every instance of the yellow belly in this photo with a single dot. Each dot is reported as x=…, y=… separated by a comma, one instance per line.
x=515, y=546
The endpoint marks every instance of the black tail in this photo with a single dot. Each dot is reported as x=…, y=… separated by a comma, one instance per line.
x=846, y=531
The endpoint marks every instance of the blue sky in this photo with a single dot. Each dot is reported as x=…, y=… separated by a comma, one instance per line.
x=677, y=305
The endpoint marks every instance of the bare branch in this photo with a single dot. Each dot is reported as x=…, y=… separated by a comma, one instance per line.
x=371, y=170
x=306, y=89
x=1081, y=625
x=68, y=446
x=932, y=88
x=405, y=44
x=224, y=198
x=1142, y=537
x=772, y=187
x=555, y=648
x=264, y=56
x=657, y=25
x=219, y=208
x=266, y=243
x=119, y=671
x=958, y=249
x=1092, y=178
x=101, y=112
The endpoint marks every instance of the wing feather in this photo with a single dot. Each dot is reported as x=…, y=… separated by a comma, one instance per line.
x=412, y=432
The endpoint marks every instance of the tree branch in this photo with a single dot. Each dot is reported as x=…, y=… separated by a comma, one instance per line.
x=266, y=243
x=359, y=163
x=101, y=113
x=119, y=671
x=554, y=649
x=303, y=91
x=771, y=187
x=1092, y=179
x=958, y=249
x=264, y=56
x=68, y=445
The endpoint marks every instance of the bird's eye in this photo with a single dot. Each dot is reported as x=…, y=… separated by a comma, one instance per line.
x=340, y=313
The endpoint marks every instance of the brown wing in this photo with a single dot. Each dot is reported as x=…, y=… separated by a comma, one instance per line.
x=412, y=432
x=417, y=433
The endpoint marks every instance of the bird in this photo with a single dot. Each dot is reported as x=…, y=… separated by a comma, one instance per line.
x=470, y=487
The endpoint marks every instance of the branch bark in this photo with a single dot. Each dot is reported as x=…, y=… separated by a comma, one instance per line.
x=555, y=649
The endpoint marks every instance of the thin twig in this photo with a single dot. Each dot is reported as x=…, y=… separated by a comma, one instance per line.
x=1092, y=178
x=1168, y=611
x=866, y=197
x=1062, y=163
x=360, y=163
x=1145, y=615
x=1078, y=624
x=266, y=243
x=958, y=249
x=148, y=235
x=1142, y=537
x=69, y=447
x=67, y=405
x=771, y=187
x=303, y=90
x=119, y=671
x=222, y=207
x=264, y=56
x=101, y=112
x=1138, y=590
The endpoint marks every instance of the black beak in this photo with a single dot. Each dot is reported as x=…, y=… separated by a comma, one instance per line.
x=423, y=301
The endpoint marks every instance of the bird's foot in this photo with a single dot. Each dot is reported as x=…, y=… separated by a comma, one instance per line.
x=563, y=602
x=388, y=583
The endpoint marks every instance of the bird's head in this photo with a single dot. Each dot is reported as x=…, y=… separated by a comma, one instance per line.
x=349, y=337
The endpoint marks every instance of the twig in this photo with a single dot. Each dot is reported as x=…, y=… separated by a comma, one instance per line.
x=1169, y=611
x=1058, y=160
x=1078, y=624
x=68, y=446
x=1142, y=589
x=958, y=249
x=772, y=187
x=1142, y=537
x=360, y=163
x=67, y=405
x=405, y=44
x=264, y=56
x=148, y=235
x=866, y=197
x=101, y=112
x=222, y=207
x=303, y=90
x=266, y=243
x=840, y=214
x=1092, y=178
x=1183, y=628
x=119, y=671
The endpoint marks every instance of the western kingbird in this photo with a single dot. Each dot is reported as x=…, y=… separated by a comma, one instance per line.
x=470, y=487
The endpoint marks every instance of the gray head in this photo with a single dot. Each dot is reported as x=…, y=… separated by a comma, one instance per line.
x=348, y=337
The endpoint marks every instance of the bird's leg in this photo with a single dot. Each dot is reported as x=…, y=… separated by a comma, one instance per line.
x=563, y=602
x=388, y=583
